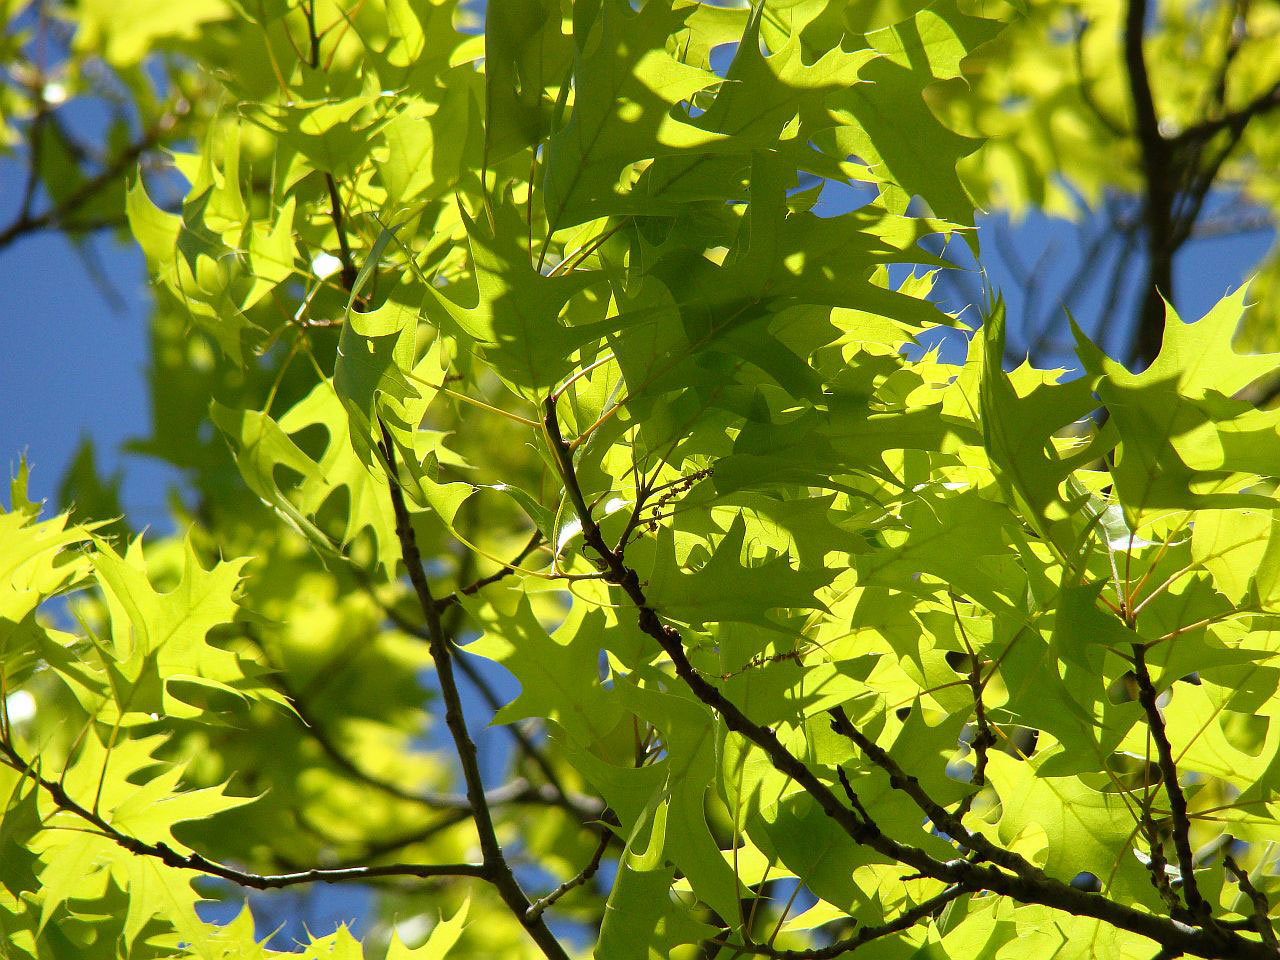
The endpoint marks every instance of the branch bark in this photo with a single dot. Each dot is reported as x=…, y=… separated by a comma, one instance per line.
x=495, y=862
x=195, y=861
x=1169, y=773
x=1158, y=205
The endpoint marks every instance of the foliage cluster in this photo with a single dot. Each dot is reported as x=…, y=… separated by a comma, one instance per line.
x=524, y=344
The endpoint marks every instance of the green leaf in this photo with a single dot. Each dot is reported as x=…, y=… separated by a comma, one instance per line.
x=626, y=109
x=1185, y=443
x=444, y=935
x=159, y=641
x=516, y=323
x=725, y=588
x=893, y=129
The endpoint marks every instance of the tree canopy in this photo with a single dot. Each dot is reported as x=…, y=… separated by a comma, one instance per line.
x=581, y=555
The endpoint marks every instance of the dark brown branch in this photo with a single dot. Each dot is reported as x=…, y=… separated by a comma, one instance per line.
x=583, y=807
x=195, y=861
x=1157, y=862
x=1169, y=773
x=1034, y=887
x=1158, y=205
x=578, y=806
x=495, y=862
x=984, y=738
x=943, y=819
x=1261, y=909
x=905, y=921
x=1148, y=125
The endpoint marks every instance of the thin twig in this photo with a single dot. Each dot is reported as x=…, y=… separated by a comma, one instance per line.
x=340, y=225
x=195, y=861
x=1157, y=862
x=447, y=601
x=1264, y=102
x=585, y=874
x=56, y=216
x=943, y=819
x=1169, y=773
x=495, y=861
x=1261, y=909
x=985, y=738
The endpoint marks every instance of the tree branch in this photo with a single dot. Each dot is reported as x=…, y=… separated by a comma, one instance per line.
x=447, y=601
x=195, y=861
x=1157, y=862
x=984, y=738
x=1169, y=773
x=1158, y=205
x=1261, y=909
x=1198, y=133
x=584, y=807
x=339, y=224
x=1212, y=943
x=56, y=215
x=499, y=871
x=943, y=819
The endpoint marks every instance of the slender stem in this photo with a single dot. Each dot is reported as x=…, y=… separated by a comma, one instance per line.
x=578, y=374
x=313, y=38
x=944, y=820
x=985, y=737
x=495, y=861
x=585, y=808
x=447, y=601
x=340, y=225
x=1157, y=861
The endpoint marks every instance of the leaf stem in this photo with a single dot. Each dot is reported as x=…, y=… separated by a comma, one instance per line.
x=904, y=921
